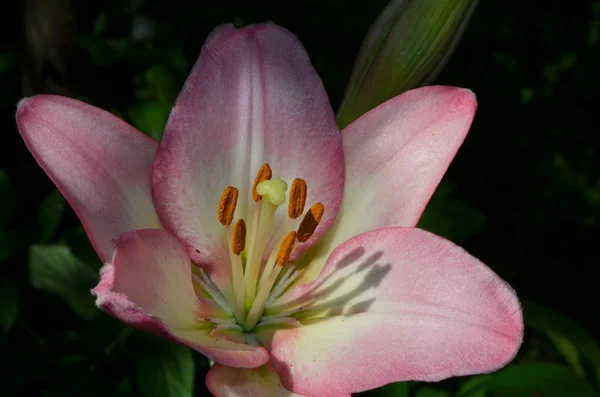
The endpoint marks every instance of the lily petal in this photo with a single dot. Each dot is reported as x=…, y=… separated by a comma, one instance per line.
x=252, y=98
x=148, y=285
x=395, y=157
x=100, y=164
x=263, y=381
x=394, y=305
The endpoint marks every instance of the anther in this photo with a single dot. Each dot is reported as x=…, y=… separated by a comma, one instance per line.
x=285, y=250
x=310, y=222
x=264, y=173
x=297, y=198
x=238, y=242
x=227, y=205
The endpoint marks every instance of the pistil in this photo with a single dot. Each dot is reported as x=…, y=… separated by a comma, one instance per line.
x=253, y=285
x=225, y=213
x=273, y=195
x=283, y=256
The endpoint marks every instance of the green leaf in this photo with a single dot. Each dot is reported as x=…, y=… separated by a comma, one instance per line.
x=54, y=268
x=527, y=380
x=49, y=215
x=7, y=200
x=430, y=392
x=166, y=370
x=149, y=117
x=77, y=239
x=399, y=389
x=9, y=307
x=162, y=85
x=449, y=218
x=102, y=51
x=573, y=341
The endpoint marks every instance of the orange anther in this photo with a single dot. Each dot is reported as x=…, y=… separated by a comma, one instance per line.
x=238, y=242
x=310, y=222
x=264, y=173
x=297, y=198
x=285, y=249
x=227, y=205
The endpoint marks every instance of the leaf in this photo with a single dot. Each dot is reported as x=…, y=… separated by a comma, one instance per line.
x=149, y=117
x=572, y=340
x=161, y=85
x=449, y=218
x=527, y=380
x=166, y=370
x=54, y=268
x=430, y=392
x=49, y=215
x=104, y=52
x=399, y=389
x=80, y=245
x=9, y=307
x=7, y=200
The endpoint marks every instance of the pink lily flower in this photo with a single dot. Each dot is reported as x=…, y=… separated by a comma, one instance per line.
x=261, y=236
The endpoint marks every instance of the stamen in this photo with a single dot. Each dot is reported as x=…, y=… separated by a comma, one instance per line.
x=257, y=308
x=273, y=195
x=237, y=240
x=310, y=222
x=286, y=248
x=297, y=198
x=285, y=281
x=283, y=255
x=264, y=173
x=239, y=237
x=227, y=205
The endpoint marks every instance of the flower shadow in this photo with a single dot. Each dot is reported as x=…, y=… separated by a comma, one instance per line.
x=347, y=289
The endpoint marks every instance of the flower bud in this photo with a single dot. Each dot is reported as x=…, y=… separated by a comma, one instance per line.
x=407, y=47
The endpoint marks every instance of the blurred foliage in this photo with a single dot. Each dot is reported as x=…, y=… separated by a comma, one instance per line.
x=572, y=341
x=166, y=370
x=526, y=380
x=54, y=268
x=450, y=218
x=9, y=310
x=523, y=193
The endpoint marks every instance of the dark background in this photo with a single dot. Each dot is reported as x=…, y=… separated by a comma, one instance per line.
x=523, y=194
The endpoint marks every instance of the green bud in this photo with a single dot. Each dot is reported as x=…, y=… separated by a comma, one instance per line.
x=408, y=46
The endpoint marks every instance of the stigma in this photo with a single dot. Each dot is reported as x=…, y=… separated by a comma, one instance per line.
x=261, y=272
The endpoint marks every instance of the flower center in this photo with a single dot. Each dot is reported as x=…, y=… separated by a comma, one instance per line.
x=256, y=282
